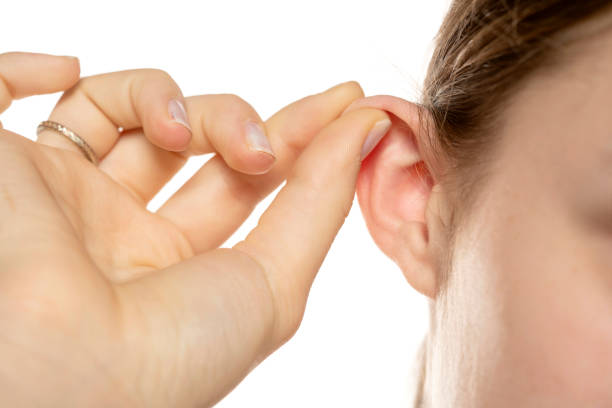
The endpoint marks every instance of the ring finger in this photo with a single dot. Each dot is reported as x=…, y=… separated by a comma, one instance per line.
x=150, y=102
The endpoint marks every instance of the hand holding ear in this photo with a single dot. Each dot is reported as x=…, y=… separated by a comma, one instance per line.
x=103, y=303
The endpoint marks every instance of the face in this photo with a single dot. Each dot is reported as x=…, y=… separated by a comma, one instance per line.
x=527, y=318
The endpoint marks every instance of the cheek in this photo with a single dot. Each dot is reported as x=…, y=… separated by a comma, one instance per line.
x=549, y=318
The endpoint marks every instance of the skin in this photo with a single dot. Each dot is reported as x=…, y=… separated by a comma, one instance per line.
x=526, y=319
x=103, y=303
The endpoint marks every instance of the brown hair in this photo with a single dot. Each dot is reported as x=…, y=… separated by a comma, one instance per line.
x=483, y=52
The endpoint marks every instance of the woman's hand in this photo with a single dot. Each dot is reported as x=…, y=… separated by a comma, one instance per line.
x=103, y=303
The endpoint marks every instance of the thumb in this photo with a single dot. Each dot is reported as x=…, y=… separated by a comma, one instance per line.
x=23, y=74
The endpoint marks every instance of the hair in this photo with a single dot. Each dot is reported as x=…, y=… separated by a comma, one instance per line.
x=484, y=51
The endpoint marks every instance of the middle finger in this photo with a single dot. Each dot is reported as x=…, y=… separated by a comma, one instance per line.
x=148, y=102
x=217, y=200
x=222, y=123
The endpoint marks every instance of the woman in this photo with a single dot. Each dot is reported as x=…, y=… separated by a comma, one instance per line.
x=492, y=196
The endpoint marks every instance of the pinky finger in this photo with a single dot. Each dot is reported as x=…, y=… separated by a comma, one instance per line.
x=24, y=74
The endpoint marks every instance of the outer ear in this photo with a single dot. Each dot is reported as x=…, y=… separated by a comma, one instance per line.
x=394, y=190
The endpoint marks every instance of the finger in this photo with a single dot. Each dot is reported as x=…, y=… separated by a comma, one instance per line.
x=232, y=128
x=217, y=199
x=23, y=74
x=139, y=166
x=242, y=303
x=296, y=231
x=98, y=106
x=222, y=123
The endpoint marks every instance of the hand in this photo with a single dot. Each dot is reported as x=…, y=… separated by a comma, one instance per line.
x=103, y=303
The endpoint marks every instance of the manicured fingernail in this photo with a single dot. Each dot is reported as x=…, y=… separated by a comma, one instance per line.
x=256, y=138
x=178, y=113
x=377, y=132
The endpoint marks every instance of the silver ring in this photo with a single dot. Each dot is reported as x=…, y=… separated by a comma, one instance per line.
x=70, y=135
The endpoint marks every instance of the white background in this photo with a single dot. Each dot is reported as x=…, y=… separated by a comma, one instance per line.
x=363, y=322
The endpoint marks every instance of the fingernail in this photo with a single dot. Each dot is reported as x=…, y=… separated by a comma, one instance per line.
x=178, y=113
x=256, y=139
x=377, y=132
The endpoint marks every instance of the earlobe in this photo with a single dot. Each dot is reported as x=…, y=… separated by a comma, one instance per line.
x=393, y=190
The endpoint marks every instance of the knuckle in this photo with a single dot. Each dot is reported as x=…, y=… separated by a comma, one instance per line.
x=145, y=77
x=154, y=73
x=261, y=286
x=243, y=191
x=232, y=98
x=292, y=321
x=235, y=104
x=355, y=88
x=286, y=302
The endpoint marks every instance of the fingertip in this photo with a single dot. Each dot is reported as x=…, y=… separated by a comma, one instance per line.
x=361, y=128
x=346, y=92
x=67, y=69
x=372, y=114
x=376, y=133
x=254, y=157
x=72, y=70
x=249, y=159
x=76, y=64
x=256, y=138
x=169, y=135
x=170, y=128
x=34, y=73
x=66, y=66
x=71, y=59
x=178, y=139
x=260, y=163
x=352, y=88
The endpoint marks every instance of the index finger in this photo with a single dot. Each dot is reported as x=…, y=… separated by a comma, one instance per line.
x=296, y=231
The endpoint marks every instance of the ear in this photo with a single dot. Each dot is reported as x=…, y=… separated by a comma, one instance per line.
x=394, y=192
